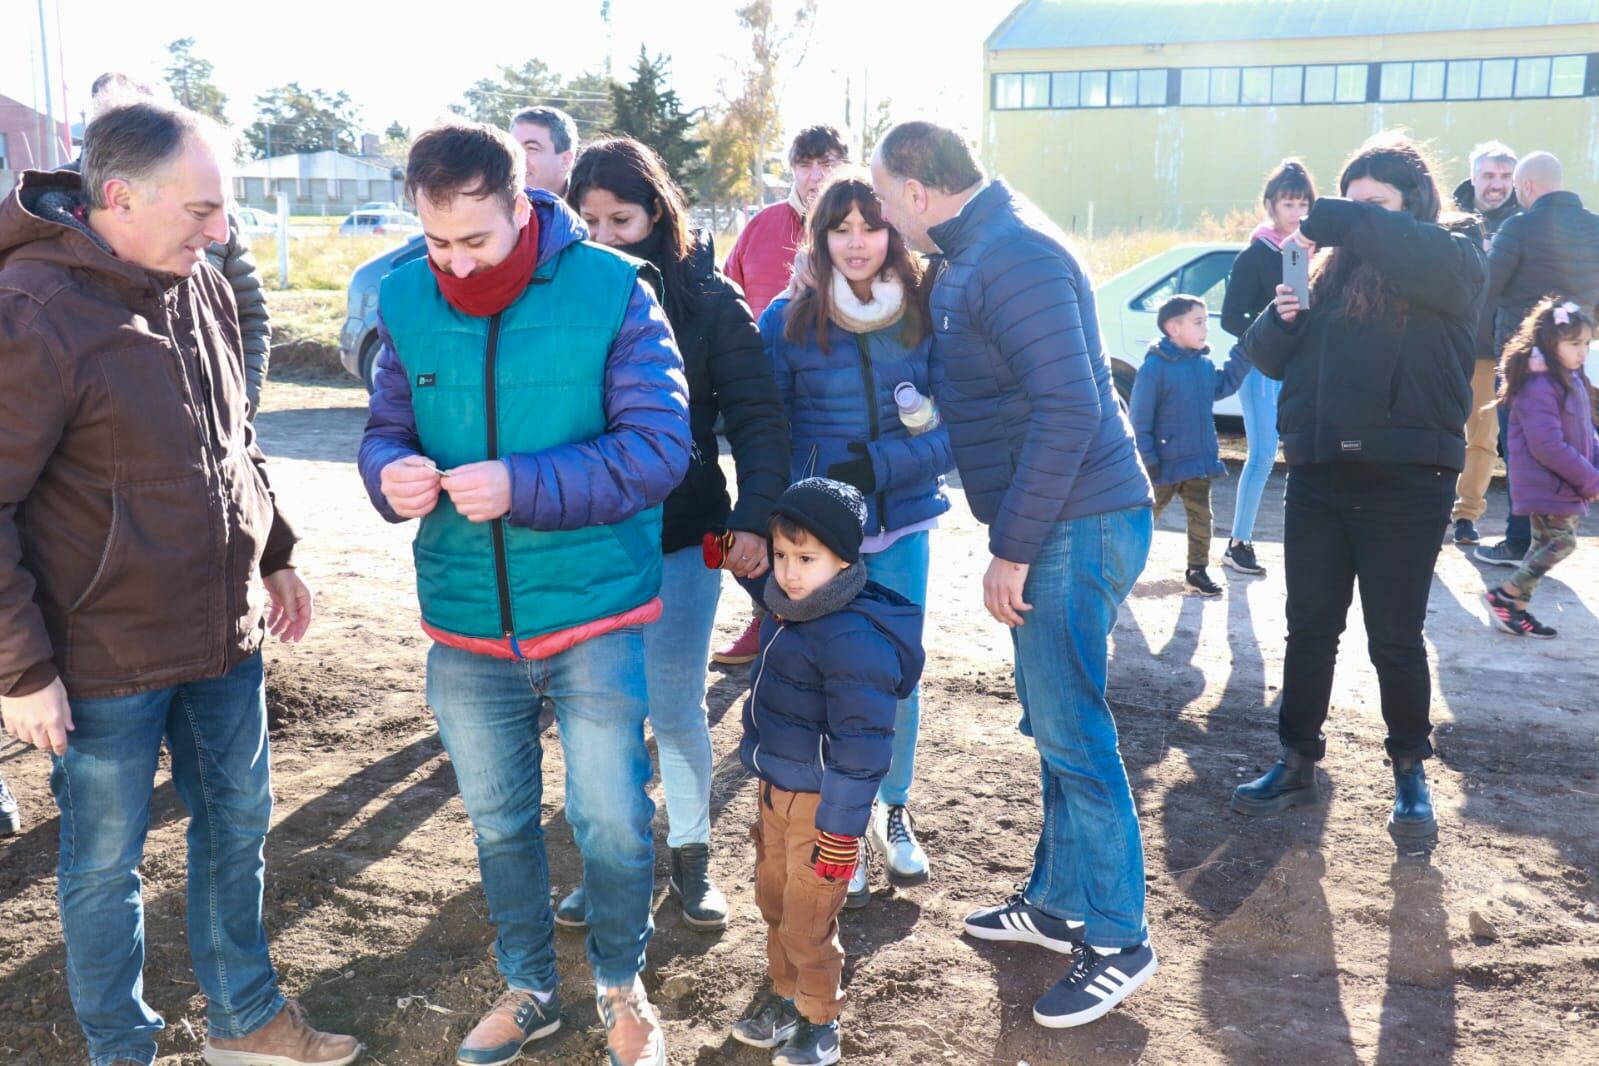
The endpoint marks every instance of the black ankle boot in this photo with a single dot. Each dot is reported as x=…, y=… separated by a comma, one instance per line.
x=1412, y=818
x=1291, y=782
x=704, y=906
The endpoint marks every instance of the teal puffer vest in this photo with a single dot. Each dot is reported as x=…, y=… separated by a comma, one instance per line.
x=529, y=378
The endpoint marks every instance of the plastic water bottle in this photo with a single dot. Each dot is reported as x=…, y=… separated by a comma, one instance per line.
x=918, y=413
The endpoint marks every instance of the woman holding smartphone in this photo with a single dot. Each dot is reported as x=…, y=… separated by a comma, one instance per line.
x=1251, y=287
x=1376, y=386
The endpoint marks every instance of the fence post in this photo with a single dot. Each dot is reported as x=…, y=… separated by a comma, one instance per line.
x=283, y=240
x=1090, y=220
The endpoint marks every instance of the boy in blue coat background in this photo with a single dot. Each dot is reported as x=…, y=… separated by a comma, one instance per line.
x=1173, y=395
x=837, y=654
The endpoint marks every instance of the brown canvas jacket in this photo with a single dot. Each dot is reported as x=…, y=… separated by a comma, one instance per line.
x=135, y=512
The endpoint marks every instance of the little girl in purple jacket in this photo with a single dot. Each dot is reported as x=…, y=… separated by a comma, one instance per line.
x=1552, y=449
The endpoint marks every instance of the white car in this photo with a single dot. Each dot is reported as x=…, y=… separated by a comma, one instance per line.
x=254, y=223
x=1127, y=304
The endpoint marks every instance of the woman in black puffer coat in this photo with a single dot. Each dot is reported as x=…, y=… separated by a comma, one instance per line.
x=622, y=190
x=1376, y=380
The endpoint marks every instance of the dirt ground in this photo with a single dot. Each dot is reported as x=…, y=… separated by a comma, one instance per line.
x=1302, y=939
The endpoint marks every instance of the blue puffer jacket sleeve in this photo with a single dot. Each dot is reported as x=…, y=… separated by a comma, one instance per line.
x=1232, y=374
x=390, y=426
x=1030, y=312
x=644, y=451
x=859, y=686
x=1144, y=409
x=907, y=461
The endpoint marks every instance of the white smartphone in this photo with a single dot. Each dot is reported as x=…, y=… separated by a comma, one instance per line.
x=1296, y=271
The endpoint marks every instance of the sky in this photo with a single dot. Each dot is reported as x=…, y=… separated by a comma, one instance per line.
x=925, y=58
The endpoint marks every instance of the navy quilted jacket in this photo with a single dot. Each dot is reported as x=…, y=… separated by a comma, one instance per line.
x=820, y=713
x=1038, y=434
x=847, y=395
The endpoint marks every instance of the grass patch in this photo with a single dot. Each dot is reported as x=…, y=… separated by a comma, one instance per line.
x=318, y=261
x=305, y=333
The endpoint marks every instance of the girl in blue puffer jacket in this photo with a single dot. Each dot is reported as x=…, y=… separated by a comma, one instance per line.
x=853, y=333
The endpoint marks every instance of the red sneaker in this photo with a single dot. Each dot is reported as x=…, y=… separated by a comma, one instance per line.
x=744, y=649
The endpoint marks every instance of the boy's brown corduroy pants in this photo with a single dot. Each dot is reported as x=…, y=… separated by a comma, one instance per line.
x=803, y=954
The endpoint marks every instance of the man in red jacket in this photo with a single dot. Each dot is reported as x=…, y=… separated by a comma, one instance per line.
x=762, y=261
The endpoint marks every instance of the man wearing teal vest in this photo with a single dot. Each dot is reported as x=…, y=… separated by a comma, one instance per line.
x=530, y=409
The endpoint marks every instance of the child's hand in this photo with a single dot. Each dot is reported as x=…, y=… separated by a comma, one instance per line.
x=834, y=856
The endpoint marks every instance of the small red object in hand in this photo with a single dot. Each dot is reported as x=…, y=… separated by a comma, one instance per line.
x=715, y=548
x=835, y=856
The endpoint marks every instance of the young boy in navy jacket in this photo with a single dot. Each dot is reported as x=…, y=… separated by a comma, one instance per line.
x=837, y=654
x=1171, y=413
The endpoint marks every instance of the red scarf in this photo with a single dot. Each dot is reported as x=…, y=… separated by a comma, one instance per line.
x=488, y=292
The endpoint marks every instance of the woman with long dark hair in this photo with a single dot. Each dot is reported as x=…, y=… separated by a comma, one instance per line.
x=1256, y=273
x=629, y=202
x=1376, y=377
x=852, y=353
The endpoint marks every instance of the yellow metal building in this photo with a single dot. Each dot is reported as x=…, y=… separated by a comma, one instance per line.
x=1151, y=113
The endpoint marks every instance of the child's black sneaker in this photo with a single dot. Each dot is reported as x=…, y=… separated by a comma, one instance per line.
x=768, y=1021
x=1512, y=619
x=1466, y=532
x=1020, y=922
x=1200, y=582
x=811, y=1045
x=1240, y=556
x=1094, y=985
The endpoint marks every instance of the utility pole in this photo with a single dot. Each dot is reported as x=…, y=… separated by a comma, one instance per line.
x=50, y=158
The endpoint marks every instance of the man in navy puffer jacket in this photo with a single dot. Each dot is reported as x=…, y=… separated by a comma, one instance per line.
x=1047, y=459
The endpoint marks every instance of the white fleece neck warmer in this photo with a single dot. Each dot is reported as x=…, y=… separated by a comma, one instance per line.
x=886, y=307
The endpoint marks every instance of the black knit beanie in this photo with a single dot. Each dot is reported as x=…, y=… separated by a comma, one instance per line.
x=831, y=511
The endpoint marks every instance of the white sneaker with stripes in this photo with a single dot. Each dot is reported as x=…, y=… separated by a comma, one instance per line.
x=1094, y=985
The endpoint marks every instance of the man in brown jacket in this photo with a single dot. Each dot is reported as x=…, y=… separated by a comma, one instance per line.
x=135, y=518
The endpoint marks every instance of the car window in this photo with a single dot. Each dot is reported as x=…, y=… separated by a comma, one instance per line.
x=1205, y=277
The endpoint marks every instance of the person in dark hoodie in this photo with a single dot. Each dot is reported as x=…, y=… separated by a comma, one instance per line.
x=1490, y=194
x=1376, y=380
x=1173, y=397
x=838, y=652
x=624, y=195
x=1251, y=287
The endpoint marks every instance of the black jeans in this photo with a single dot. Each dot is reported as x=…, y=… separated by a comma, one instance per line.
x=1518, y=527
x=1381, y=524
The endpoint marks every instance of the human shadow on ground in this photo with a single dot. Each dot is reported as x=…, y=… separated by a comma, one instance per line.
x=312, y=434
x=1418, y=1007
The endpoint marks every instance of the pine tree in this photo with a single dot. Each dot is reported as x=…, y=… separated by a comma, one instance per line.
x=190, y=79
x=650, y=111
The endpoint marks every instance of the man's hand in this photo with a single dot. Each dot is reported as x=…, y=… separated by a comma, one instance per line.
x=748, y=556
x=480, y=491
x=411, y=485
x=1002, y=591
x=42, y=719
x=290, y=615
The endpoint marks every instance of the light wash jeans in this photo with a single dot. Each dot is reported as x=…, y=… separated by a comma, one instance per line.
x=488, y=715
x=1258, y=396
x=1089, y=863
x=902, y=567
x=216, y=731
x=676, y=651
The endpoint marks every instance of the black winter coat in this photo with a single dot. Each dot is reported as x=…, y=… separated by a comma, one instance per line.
x=728, y=374
x=1251, y=286
x=1550, y=249
x=1393, y=389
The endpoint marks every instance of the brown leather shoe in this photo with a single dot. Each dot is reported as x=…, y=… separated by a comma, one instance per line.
x=633, y=1034
x=516, y=1019
x=287, y=1040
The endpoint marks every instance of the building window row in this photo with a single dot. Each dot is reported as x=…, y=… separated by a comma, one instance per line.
x=1529, y=77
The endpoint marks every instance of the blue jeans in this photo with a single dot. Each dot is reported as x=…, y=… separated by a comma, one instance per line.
x=902, y=567
x=488, y=715
x=1258, y=395
x=676, y=649
x=1089, y=863
x=216, y=731
x=1518, y=527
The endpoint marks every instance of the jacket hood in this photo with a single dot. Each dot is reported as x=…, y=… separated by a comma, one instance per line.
x=900, y=621
x=37, y=224
x=1167, y=349
x=559, y=226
